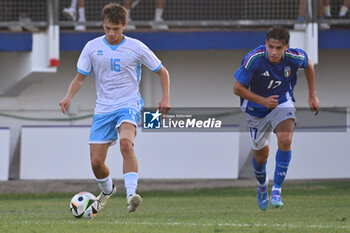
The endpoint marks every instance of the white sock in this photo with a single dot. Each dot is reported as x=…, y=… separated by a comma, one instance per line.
x=82, y=14
x=105, y=184
x=158, y=14
x=73, y=4
x=130, y=181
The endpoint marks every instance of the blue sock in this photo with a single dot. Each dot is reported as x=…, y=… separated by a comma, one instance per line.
x=282, y=163
x=260, y=171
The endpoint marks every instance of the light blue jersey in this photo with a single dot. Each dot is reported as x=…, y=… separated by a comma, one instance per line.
x=117, y=70
x=266, y=79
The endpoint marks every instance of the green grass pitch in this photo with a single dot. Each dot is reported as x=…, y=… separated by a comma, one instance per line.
x=309, y=207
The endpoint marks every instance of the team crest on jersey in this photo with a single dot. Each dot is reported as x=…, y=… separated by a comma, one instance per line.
x=99, y=52
x=287, y=71
x=128, y=53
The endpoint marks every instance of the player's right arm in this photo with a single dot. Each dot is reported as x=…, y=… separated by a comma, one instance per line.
x=245, y=74
x=270, y=102
x=74, y=87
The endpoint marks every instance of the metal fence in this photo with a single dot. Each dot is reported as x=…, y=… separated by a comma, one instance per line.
x=176, y=13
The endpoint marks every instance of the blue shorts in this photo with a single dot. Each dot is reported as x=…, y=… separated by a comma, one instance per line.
x=104, y=126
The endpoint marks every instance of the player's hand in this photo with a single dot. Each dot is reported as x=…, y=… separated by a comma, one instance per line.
x=64, y=104
x=271, y=102
x=314, y=103
x=164, y=106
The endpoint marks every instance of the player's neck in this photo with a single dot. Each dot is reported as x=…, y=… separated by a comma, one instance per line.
x=116, y=42
x=274, y=62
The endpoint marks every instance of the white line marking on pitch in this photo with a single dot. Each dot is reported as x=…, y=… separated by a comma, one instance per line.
x=91, y=221
x=233, y=225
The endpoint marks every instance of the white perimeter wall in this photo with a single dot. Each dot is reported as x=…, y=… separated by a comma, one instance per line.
x=63, y=153
x=315, y=156
x=4, y=153
x=198, y=79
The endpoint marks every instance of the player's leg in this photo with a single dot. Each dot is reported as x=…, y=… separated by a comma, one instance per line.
x=102, y=135
x=259, y=161
x=327, y=8
x=127, y=133
x=98, y=153
x=158, y=16
x=82, y=18
x=70, y=12
x=128, y=4
x=322, y=25
x=159, y=10
x=284, y=132
x=300, y=26
x=344, y=8
x=260, y=131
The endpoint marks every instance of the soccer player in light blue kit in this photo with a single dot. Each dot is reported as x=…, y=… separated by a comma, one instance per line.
x=265, y=83
x=116, y=61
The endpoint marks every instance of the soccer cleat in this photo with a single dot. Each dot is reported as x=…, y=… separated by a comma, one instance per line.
x=130, y=27
x=263, y=198
x=158, y=24
x=160, y=27
x=276, y=199
x=80, y=28
x=324, y=26
x=102, y=199
x=133, y=202
x=26, y=23
x=70, y=14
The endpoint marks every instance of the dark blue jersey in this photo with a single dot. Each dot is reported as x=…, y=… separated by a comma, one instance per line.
x=266, y=79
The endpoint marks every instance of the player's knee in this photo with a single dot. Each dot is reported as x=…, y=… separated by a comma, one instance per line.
x=261, y=159
x=96, y=163
x=284, y=141
x=126, y=146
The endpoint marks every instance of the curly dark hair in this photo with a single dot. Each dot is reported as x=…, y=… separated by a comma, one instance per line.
x=278, y=33
x=114, y=13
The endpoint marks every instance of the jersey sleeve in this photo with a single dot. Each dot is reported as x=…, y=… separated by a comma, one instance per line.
x=149, y=59
x=84, y=65
x=249, y=64
x=298, y=57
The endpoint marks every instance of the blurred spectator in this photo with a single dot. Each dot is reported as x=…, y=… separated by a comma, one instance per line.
x=342, y=11
x=158, y=19
x=24, y=21
x=344, y=8
x=326, y=9
x=323, y=5
x=71, y=13
x=20, y=12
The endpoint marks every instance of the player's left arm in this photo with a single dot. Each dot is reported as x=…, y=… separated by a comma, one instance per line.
x=164, y=103
x=310, y=76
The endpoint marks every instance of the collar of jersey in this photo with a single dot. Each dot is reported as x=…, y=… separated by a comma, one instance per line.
x=114, y=47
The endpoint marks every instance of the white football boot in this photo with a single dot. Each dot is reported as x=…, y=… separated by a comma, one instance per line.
x=102, y=199
x=70, y=14
x=133, y=202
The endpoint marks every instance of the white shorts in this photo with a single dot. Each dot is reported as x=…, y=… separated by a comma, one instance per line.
x=260, y=128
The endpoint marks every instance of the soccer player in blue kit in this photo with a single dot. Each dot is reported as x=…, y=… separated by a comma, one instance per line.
x=265, y=83
x=116, y=61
